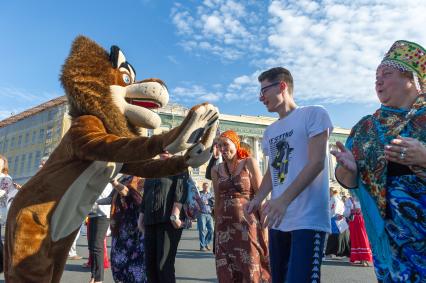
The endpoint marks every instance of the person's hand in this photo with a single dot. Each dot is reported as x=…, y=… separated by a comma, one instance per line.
x=17, y=186
x=406, y=151
x=273, y=212
x=250, y=208
x=177, y=223
x=345, y=158
x=124, y=192
x=141, y=226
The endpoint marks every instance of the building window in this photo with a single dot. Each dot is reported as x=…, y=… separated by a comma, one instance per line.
x=41, y=136
x=19, y=141
x=29, y=163
x=33, y=139
x=10, y=160
x=49, y=133
x=27, y=138
x=261, y=166
x=1, y=146
x=12, y=143
x=52, y=113
x=196, y=171
x=37, y=159
x=21, y=168
x=6, y=141
x=15, y=165
x=58, y=131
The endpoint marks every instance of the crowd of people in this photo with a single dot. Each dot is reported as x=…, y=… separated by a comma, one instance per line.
x=278, y=227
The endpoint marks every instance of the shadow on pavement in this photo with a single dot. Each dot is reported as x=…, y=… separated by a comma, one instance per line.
x=187, y=279
x=76, y=267
x=194, y=254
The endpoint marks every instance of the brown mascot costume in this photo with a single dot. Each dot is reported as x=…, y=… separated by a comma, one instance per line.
x=108, y=108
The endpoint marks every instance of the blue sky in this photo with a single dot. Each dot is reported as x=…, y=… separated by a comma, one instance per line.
x=213, y=50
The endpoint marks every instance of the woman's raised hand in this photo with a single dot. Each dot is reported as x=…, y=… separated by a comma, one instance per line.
x=345, y=158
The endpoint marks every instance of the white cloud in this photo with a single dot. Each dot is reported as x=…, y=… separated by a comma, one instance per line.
x=332, y=47
x=194, y=93
x=25, y=99
x=230, y=28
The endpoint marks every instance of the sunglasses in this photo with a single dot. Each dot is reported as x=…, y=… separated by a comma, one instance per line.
x=265, y=88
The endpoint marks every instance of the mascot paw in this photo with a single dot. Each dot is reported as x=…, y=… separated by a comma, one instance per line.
x=201, y=152
x=200, y=119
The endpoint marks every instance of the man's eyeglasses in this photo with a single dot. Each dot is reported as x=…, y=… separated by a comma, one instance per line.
x=265, y=88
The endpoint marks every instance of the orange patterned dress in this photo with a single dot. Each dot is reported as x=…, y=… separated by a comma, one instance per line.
x=241, y=248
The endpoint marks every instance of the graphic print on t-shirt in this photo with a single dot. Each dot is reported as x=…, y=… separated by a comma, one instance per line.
x=280, y=152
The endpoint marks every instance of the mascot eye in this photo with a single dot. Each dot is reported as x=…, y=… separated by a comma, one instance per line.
x=126, y=78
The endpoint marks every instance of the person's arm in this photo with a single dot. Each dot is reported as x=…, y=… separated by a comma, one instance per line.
x=275, y=209
x=264, y=189
x=346, y=171
x=90, y=141
x=255, y=174
x=120, y=188
x=181, y=193
x=155, y=168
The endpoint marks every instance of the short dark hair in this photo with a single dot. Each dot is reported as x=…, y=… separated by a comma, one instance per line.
x=278, y=74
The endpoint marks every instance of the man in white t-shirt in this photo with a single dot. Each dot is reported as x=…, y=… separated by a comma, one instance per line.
x=297, y=177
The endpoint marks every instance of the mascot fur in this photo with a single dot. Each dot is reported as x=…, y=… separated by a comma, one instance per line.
x=108, y=108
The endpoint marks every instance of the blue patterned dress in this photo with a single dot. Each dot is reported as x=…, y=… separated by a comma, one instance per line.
x=394, y=205
x=127, y=248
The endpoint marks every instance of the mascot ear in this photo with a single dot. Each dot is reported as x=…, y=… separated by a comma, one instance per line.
x=116, y=57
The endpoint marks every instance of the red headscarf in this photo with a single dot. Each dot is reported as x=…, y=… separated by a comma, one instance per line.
x=233, y=137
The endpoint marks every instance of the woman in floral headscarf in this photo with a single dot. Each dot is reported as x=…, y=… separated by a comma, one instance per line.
x=241, y=247
x=385, y=161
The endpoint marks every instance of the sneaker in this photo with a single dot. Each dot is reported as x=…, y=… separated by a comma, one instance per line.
x=75, y=257
x=203, y=249
x=208, y=248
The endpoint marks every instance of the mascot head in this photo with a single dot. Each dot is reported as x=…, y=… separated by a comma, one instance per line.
x=104, y=85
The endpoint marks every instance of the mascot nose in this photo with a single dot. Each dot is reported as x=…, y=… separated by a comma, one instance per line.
x=153, y=80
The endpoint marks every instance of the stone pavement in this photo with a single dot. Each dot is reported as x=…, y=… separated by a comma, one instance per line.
x=195, y=266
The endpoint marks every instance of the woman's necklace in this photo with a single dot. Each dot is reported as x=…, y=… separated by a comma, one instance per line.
x=229, y=172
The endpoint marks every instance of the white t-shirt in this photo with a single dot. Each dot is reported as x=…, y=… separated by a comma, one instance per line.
x=337, y=207
x=104, y=209
x=286, y=143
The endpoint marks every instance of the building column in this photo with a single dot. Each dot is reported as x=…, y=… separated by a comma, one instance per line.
x=256, y=148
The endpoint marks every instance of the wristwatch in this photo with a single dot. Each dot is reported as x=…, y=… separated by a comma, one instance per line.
x=173, y=218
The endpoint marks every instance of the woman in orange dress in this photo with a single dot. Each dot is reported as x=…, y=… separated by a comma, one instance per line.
x=241, y=247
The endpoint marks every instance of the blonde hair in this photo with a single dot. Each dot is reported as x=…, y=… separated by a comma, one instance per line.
x=5, y=169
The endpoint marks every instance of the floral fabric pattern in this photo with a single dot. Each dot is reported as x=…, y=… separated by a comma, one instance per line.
x=406, y=228
x=241, y=248
x=127, y=248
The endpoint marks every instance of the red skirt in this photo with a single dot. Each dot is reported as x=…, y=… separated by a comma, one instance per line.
x=360, y=246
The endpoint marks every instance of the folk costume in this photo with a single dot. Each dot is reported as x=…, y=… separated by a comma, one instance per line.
x=393, y=196
x=108, y=108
